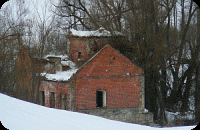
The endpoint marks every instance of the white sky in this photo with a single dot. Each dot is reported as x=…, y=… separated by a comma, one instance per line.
x=38, y=9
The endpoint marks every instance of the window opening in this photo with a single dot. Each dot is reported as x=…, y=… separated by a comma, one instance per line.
x=79, y=54
x=63, y=101
x=52, y=100
x=42, y=98
x=100, y=98
x=95, y=46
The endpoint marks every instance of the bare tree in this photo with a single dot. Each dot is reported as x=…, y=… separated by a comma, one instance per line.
x=159, y=45
x=197, y=92
x=11, y=37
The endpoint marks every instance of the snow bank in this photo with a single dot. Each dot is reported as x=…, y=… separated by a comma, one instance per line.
x=20, y=115
x=171, y=116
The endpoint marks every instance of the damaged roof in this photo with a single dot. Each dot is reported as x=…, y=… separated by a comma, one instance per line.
x=101, y=32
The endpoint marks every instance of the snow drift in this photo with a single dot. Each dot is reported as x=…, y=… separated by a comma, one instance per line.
x=20, y=115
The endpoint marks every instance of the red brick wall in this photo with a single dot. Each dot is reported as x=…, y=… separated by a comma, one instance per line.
x=108, y=71
x=57, y=88
x=23, y=70
x=78, y=44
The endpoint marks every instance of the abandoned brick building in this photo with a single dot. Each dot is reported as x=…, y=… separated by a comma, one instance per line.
x=82, y=45
x=107, y=84
x=24, y=76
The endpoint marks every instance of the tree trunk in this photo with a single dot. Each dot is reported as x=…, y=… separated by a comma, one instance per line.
x=197, y=95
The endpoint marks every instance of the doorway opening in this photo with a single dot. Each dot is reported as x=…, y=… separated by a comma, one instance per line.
x=42, y=98
x=100, y=98
x=52, y=99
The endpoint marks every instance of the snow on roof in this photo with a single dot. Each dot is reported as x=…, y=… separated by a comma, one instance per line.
x=101, y=32
x=63, y=57
x=68, y=63
x=60, y=75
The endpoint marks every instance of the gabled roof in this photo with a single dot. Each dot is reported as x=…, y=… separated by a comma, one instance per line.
x=98, y=53
x=101, y=32
x=94, y=56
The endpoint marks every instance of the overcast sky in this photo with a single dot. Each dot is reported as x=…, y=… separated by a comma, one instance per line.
x=39, y=9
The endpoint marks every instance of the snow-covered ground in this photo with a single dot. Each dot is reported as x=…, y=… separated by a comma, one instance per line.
x=20, y=115
x=171, y=116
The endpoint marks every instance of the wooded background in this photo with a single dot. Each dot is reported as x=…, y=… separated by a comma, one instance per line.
x=163, y=37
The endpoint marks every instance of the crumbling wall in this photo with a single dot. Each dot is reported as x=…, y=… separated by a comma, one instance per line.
x=131, y=115
x=87, y=46
x=58, y=88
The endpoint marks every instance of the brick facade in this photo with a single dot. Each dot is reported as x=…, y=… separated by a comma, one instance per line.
x=110, y=71
x=123, y=84
x=80, y=48
x=24, y=75
x=57, y=88
x=107, y=85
